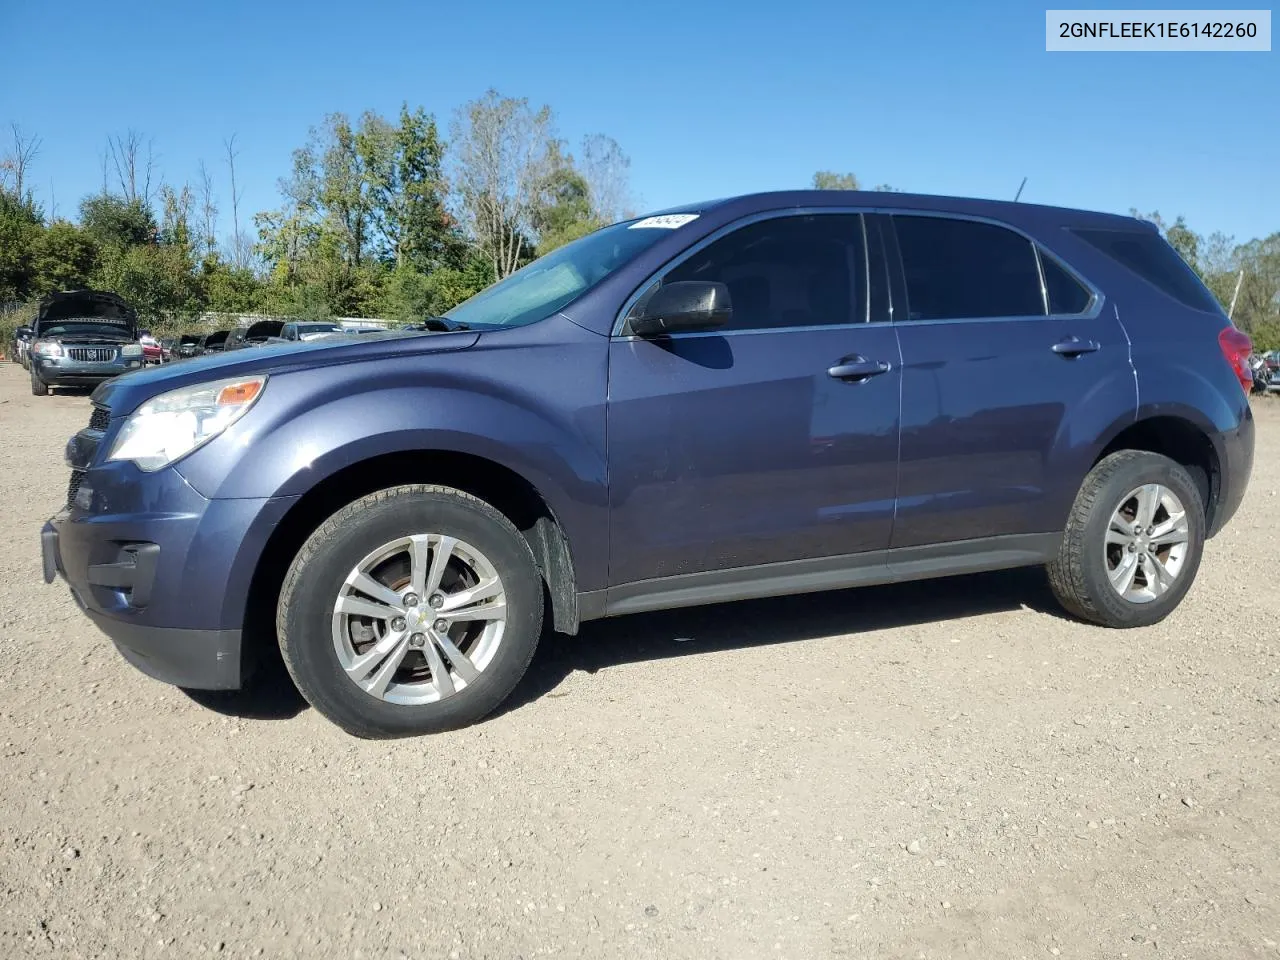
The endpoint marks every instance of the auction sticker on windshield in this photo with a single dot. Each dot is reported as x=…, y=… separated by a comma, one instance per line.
x=667, y=221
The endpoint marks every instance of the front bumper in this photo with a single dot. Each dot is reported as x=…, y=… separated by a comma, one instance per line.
x=63, y=372
x=162, y=571
x=198, y=659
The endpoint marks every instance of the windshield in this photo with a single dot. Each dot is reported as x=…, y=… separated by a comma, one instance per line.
x=318, y=328
x=83, y=328
x=550, y=283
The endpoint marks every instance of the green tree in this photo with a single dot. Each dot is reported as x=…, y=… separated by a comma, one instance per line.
x=63, y=257
x=562, y=209
x=113, y=221
x=227, y=288
x=402, y=164
x=829, y=180
x=20, y=226
x=159, y=281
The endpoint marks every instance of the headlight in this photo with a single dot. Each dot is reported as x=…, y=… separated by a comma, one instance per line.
x=47, y=348
x=131, y=350
x=173, y=424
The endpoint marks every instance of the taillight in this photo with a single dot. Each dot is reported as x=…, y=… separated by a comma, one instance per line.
x=1237, y=348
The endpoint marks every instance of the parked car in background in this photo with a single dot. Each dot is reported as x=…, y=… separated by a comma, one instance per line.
x=18, y=345
x=304, y=330
x=167, y=347
x=757, y=396
x=212, y=342
x=151, y=349
x=82, y=337
x=257, y=334
x=188, y=346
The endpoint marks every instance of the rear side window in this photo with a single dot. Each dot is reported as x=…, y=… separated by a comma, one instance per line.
x=1146, y=254
x=804, y=271
x=959, y=269
x=1066, y=294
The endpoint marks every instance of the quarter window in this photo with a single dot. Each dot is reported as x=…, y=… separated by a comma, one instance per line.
x=1150, y=257
x=1066, y=295
x=787, y=272
x=957, y=269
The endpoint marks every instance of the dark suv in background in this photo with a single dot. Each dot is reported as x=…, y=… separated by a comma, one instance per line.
x=765, y=395
x=81, y=338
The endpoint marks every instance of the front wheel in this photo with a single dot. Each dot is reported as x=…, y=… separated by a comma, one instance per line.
x=38, y=387
x=1133, y=542
x=413, y=610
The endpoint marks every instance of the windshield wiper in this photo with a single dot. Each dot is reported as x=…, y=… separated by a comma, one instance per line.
x=444, y=324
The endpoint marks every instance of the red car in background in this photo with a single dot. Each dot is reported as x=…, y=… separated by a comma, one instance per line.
x=151, y=349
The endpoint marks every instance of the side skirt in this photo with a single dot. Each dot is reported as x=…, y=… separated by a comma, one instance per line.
x=822, y=573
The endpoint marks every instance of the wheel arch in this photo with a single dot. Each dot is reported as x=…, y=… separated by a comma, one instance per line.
x=499, y=485
x=1182, y=437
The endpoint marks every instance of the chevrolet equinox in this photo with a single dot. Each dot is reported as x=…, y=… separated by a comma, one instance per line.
x=765, y=395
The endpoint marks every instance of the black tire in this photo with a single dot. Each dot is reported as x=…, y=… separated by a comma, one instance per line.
x=305, y=610
x=38, y=387
x=1078, y=576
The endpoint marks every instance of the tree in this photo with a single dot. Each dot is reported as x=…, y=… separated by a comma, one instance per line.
x=562, y=208
x=15, y=163
x=227, y=288
x=208, y=215
x=503, y=156
x=20, y=225
x=63, y=257
x=158, y=280
x=606, y=170
x=114, y=221
x=402, y=164
x=828, y=180
x=133, y=162
x=241, y=246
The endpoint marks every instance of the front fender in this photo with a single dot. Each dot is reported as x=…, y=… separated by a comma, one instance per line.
x=544, y=422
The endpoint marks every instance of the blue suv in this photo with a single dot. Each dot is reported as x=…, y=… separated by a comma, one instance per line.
x=764, y=395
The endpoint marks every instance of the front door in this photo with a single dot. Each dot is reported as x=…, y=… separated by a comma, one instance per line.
x=772, y=439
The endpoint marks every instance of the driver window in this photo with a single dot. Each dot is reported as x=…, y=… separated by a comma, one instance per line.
x=801, y=271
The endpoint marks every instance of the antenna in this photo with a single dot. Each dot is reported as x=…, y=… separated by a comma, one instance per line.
x=1232, y=309
x=1019, y=193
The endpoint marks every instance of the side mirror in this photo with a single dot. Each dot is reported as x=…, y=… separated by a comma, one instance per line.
x=683, y=305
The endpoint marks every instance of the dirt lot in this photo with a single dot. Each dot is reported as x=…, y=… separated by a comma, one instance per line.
x=945, y=769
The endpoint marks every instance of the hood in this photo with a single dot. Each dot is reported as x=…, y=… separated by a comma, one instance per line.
x=264, y=329
x=90, y=306
x=124, y=393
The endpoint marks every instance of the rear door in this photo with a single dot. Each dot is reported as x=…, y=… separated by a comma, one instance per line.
x=1012, y=368
x=773, y=439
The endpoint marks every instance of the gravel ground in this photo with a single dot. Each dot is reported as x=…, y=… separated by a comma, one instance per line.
x=933, y=770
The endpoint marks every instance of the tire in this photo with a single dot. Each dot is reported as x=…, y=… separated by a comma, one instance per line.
x=314, y=635
x=1080, y=575
x=38, y=387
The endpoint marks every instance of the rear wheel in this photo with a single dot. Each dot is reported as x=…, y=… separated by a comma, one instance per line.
x=1133, y=542
x=38, y=387
x=412, y=610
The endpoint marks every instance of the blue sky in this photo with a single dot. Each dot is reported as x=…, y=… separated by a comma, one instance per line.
x=707, y=99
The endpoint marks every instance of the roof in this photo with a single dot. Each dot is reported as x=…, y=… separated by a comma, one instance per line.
x=1004, y=210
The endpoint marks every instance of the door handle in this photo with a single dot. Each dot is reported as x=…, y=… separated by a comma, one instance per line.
x=1074, y=346
x=856, y=369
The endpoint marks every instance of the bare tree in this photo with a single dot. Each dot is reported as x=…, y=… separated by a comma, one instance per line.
x=16, y=162
x=133, y=168
x=239, y=245
x=208, y=212
x=607, y=172
x=503, y=152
